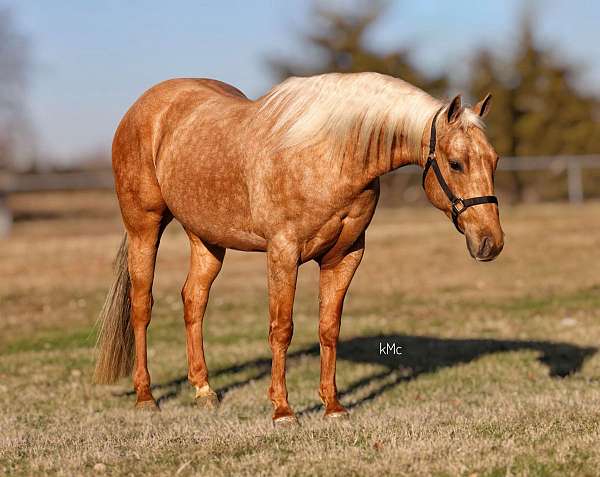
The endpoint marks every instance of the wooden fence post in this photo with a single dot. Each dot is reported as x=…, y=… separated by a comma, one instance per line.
x=574, y=181
x=6, y=217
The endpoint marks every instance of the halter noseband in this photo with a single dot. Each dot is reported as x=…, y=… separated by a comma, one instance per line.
x=459, y=205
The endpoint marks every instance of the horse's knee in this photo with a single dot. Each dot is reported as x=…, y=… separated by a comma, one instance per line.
x=281, y=334
x=328, y=335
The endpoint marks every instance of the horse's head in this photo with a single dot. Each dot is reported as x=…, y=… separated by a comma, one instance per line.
x=466, y=161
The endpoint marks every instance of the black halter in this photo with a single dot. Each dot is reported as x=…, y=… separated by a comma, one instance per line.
x=459, y=205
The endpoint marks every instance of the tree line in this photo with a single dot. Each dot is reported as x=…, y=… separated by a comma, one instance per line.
x=538, y=109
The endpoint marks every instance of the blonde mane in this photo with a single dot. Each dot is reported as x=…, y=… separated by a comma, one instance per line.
x=337, y=106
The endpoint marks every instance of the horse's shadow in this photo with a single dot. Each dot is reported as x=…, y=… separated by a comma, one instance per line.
x=419, y=355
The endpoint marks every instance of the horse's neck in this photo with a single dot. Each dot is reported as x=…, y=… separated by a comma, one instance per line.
x=377, y=164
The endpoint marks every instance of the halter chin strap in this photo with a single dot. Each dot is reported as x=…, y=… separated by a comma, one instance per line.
x=459, y=205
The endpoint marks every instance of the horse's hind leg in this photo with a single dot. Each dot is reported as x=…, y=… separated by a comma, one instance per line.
x=145, y=215
x=205, y=264
x=143, y=239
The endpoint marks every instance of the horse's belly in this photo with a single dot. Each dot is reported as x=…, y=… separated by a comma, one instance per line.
x=222, y=234
x=212, y=204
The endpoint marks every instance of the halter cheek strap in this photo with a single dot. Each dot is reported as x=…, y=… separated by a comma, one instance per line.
x=459, y=205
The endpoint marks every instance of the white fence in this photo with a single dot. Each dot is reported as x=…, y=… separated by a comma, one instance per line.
x=65, y=181
x=56, y=181
x=573, y=167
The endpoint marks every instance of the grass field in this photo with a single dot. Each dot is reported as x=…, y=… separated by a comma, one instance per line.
x=498, y=375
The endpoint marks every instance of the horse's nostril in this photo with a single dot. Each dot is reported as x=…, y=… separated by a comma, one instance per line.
x=485, y=247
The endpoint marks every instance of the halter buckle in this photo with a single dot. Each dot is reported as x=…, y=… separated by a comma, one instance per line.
x=456, y=210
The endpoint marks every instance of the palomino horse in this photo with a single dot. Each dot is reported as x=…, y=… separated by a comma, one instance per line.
x=294, y=174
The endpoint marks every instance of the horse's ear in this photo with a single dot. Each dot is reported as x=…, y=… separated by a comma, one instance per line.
x=455, y=109
x=483, y=107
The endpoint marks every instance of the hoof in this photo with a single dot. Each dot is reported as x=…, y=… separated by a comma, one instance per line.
x=206, y=398
x=209, y=402
x=337, y=416
x=285, y=422
x=147, y=406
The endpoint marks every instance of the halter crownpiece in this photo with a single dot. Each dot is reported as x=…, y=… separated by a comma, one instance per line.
x=459, y=205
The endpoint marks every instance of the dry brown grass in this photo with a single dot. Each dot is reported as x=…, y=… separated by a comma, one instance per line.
x=476, y=391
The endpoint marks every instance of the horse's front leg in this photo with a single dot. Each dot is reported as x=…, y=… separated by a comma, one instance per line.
x=282, y=269
x=336, y=275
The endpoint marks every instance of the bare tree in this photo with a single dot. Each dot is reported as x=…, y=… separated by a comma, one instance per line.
x=14, y=68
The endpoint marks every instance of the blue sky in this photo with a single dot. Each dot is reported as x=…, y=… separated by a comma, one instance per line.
x=93, y=59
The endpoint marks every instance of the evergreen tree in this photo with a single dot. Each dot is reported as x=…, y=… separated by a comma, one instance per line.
x=341, y=41
x=537, y=109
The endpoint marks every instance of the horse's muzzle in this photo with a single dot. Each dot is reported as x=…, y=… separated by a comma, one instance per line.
x=485, y=248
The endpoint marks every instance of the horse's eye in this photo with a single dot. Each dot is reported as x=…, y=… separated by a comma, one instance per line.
x=455, y=166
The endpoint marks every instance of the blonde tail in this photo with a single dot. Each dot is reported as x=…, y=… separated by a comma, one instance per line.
x=115, y=343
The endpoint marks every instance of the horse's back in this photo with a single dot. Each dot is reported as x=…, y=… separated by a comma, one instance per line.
x=202, y=88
